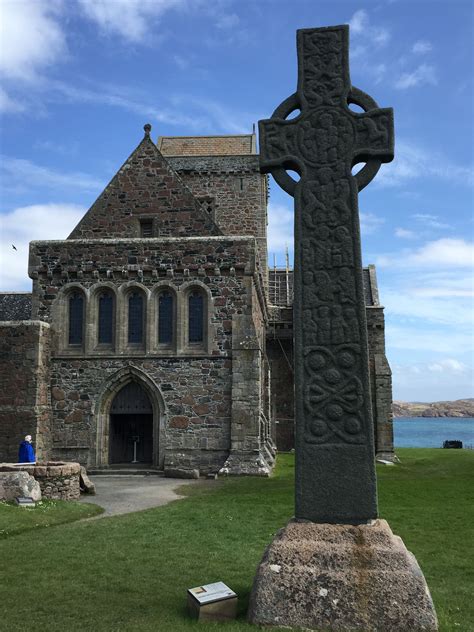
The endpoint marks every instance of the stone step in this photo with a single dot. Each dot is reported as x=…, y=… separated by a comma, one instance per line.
x=122, y=471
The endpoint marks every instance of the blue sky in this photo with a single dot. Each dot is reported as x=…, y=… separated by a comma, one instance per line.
x=79, y=78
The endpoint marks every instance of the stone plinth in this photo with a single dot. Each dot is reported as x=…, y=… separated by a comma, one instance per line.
x=57, y=480
x=341, y=578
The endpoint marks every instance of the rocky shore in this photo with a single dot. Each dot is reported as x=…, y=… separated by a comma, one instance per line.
x=456, y=408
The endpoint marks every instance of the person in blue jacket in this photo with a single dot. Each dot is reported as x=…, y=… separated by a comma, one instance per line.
x=26, y=453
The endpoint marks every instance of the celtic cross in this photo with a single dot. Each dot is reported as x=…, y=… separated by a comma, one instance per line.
x=335, y=469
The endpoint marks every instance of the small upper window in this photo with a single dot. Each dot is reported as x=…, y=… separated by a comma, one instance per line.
x=208, y=204
x=135, y=318
x=165, y=318
x=146, y=228
x=196, y=317
x=76, y=318
x=106, y=318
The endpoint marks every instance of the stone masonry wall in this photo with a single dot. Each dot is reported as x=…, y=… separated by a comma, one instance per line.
x=380, y=383
x=239, y=192
x=194, y=384
x=283, y=396
x=145, y=188
x=24, y=387
x=195, y=425
x=217, y=262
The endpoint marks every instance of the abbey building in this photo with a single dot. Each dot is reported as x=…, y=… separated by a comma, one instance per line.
x=156, y=334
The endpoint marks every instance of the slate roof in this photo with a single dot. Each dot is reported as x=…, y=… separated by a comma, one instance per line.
x=231, y=145
x=15, y=305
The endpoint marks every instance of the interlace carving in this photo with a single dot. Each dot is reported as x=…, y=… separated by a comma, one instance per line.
x=322, y=144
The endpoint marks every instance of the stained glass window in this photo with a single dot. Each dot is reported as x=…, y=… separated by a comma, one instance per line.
x=135, y=318
x=76, y=318
x=165, y=318
x=106, y=318
x=196, y=317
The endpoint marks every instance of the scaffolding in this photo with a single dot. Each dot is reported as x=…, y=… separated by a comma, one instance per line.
x=280, y=284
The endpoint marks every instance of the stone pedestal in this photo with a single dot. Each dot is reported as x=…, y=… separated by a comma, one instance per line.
x=332, y=577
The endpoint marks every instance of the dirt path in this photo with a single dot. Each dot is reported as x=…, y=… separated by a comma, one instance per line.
x=125, y=494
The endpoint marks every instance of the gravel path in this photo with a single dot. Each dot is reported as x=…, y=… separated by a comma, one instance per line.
x=123, y=494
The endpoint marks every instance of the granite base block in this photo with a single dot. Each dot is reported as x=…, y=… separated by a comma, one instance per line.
x=341, y=578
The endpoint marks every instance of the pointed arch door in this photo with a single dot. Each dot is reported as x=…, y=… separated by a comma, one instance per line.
x=131, y=426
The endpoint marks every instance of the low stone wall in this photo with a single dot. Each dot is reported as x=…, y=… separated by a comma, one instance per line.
x=57, y=480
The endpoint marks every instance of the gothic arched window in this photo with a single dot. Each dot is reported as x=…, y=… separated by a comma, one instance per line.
x=135, y=318
x=106, y=318
x=196, y=317
x=165, y=317
x=76, y=318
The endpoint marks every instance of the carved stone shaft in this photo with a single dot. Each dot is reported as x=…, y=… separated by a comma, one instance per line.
x=335, y=470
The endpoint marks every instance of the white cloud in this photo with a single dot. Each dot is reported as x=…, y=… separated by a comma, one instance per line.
x=444, y=252
x=19, y=174
x=27, y=223
x=63, y=149
x=360, y=26
x=181, y=62
x=31, y=37
x=370, y=223
x=7, y=104
x=403, y=233
x=412, y=162
x=425, y=74
x=437, y=254
x=415, y=338
x=228, y=21
x=422, y=47
x=442, y=283
x=430, y=381
x=448, y=365
x=133, y=20
x=428, y=297
x=359, y=21
x=431, y=220
x=121, y=97
x=201, y=114
x=219, y=116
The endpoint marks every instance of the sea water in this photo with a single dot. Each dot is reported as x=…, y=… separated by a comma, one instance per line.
x=430, y=432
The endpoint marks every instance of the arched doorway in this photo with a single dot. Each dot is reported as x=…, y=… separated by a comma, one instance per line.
x=131, y=426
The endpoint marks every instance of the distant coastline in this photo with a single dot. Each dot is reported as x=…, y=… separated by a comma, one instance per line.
x=457, y=408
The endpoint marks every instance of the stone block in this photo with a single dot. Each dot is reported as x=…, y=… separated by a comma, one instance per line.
x=341, y=578
x=85, y=483
x=13, y=484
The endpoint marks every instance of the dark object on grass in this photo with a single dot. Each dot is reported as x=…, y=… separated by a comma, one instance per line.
x=452, y=444
x=25, y=501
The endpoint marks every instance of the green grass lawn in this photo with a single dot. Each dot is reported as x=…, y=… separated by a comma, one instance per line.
x=130, y=573
x=47, y=513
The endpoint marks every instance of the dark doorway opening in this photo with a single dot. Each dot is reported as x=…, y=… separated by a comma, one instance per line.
x=131, y=426
x=132, y=438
